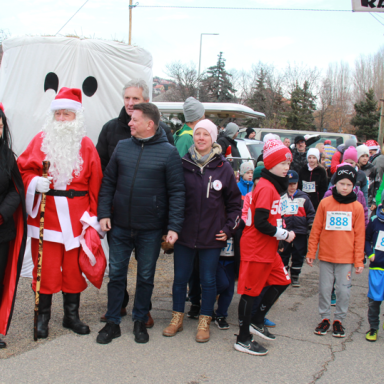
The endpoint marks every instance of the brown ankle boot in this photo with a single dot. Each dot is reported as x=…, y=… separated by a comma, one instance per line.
x=202, y=335
x=176, y=324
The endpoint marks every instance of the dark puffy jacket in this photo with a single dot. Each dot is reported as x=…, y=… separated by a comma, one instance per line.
x=224, y=143
x=371, y=234
x=319, y=176
x=299, y=160
x=300, y=222
x=209, y=210
x=144, y=182
x=9, y=201
x=115, y=130
x=374, y=181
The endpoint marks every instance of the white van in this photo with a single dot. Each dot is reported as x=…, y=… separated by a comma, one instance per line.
x=336, y=138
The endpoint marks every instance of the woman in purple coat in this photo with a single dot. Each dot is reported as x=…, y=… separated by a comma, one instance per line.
x=212, y=214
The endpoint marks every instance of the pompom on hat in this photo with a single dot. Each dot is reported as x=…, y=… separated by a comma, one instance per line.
x=67, y=98
x=275, y=152
x=2, y=107
x=208, y=126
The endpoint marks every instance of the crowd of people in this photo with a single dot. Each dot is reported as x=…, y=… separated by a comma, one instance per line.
x=146, y=189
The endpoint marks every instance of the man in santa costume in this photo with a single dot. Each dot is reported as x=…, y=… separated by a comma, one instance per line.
x=72, y=190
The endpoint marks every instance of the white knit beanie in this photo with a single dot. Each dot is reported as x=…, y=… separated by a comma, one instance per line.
x=246, y=166
x=314, y=152
x=362, y=150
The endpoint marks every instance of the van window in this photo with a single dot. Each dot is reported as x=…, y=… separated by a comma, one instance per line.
x=335, y=140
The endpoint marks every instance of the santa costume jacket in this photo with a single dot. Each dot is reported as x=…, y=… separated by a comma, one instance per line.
x=64, y=216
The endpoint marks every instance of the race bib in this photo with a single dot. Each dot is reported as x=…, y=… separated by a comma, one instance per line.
x=380, y=241
x=279, y=223
x=309, y=186
x=339, y=221
x=284, y=205
x=228, y=250
x=293, y=208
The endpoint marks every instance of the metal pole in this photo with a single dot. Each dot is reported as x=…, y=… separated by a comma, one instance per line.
x=130, y=22
x=381, y=126
x=198, y=74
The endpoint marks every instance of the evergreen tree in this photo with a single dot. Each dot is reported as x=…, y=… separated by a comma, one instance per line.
x=302, y=106
x=367, y=117
x=258, y=100
x=217, y=83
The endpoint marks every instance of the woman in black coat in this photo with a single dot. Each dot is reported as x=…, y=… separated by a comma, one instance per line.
x=313, y=178
x=12, y=226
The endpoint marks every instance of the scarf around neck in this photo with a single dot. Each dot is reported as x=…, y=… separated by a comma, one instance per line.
x=201, y=161
x=280, y=183
x=343, y=199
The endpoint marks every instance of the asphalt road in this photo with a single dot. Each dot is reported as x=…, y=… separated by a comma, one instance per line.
x=296, y=356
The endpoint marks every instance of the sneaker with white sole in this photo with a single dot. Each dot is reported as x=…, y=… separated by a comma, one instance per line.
x=338, y=329
x=250, y=347
x=323, y=327
x=262, y=331
x=221, y=323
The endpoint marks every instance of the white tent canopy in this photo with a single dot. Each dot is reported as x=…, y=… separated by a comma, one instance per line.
x=28, y=60
x=69, y=62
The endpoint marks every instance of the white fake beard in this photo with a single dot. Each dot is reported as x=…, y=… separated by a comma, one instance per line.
x=62, y=144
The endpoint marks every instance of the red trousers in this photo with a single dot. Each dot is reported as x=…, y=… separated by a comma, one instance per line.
x=60, y=269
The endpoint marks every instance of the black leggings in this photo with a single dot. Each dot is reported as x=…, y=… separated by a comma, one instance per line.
x=245, y=309
x=4, y=248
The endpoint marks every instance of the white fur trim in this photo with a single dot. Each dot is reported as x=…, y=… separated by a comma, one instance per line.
x=49, y=235
x=65, y=104
x=30, y=198
x=92, y=221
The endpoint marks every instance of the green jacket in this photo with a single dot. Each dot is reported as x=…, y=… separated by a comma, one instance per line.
x=183, y=139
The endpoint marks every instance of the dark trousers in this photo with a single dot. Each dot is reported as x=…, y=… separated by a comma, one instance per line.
x=183, y=265
x=225, y=285
x=4, y=248
x=374, y=313
x=147, y=246
x=298, y=250
x=194, y=292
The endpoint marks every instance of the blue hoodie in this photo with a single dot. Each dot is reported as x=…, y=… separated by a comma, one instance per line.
x=245, y=186
x=371, y=235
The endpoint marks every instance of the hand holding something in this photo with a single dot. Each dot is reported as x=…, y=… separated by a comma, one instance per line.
x=42, y=185
x=310, y=261
x=222, y=236
x=171, y=237
x=359, y=270
x=105, y=224
x=372, y=207
x=291, y=237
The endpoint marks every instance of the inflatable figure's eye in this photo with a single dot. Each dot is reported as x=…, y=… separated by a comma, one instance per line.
x=89, y=86
x=51, y=82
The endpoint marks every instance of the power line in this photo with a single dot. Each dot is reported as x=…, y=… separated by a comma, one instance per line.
x=376, y=18
x=71, y=18
x=241, y=8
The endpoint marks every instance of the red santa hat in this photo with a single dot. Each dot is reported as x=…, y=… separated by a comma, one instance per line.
x=67, y=98
x=275, y=152
x=2, y=107
x=372, y=144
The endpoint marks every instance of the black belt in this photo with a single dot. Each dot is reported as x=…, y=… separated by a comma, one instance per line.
x=71, y=193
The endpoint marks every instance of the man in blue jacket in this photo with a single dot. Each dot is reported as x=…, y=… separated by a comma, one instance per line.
x=144, y=183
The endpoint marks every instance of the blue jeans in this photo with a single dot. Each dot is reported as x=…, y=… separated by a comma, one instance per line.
x=183, y=266
x=147, y=248
x=225, y=285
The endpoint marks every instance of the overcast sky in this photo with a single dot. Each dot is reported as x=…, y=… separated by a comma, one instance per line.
x=245, y=37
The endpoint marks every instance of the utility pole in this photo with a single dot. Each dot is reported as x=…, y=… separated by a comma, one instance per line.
x=381, y=126
x=130, y=22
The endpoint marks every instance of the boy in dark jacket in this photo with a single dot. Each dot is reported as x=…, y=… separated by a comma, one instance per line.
x=298, y=216
x=374, y=247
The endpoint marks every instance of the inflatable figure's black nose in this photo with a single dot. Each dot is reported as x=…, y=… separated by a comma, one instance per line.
x=51, y=82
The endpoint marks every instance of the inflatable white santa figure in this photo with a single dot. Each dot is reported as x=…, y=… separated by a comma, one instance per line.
x=72, y=190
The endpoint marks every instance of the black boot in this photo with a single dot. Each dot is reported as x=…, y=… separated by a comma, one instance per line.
x=45, y=302
x=71, y=318
x=3, y=344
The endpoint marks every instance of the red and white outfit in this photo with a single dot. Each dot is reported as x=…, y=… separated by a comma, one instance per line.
x=260, y=264
x=64, y=217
